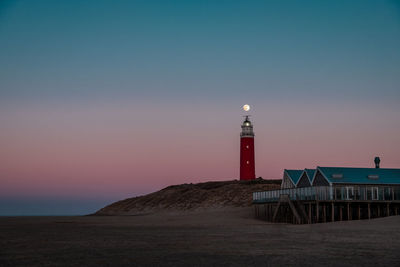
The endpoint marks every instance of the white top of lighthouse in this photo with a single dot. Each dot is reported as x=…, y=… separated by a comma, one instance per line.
x=247, y=128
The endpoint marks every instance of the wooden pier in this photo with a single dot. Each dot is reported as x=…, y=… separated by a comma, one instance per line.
x=326, y=204
x=314, y=211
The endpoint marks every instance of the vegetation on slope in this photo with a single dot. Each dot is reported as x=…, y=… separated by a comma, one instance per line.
x=192, y=196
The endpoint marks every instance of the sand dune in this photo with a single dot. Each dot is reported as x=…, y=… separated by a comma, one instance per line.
x=189, y=197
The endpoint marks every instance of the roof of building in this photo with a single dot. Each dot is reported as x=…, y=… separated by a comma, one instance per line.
x=340, y=175
x=310, y=174
x=294, y=175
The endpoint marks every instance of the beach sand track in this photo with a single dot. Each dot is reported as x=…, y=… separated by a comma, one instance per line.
x=214, y=237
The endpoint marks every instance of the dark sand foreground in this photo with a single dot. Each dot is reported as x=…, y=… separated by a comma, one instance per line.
x=208, y=238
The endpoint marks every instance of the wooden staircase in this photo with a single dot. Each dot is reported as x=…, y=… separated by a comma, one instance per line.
x=298, y=211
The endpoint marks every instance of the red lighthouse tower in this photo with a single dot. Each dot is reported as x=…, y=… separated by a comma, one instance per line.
x=247, y=165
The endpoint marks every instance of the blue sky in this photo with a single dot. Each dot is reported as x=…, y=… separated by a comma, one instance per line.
x=274, y=49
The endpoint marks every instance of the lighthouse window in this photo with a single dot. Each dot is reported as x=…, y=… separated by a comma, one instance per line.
x=248, y=162
x=247, y=146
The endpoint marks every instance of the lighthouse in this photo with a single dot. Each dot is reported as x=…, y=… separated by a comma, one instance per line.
x=247, y=165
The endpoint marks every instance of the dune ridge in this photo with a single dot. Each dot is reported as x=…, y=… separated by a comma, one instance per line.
x=188, y=197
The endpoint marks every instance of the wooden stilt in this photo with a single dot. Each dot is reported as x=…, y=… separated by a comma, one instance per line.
x=294, y=220
x=265, y=210
x=369, y=211
x=261, y=211
x=276, y=212
x=273, y=207
x=351, y=212
x=269, y=212
x=300, y=211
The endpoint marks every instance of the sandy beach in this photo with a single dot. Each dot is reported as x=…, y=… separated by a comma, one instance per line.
x=222, y=237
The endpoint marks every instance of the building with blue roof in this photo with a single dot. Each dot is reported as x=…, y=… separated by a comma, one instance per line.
x=290, y=178
x=306, y=178
x=342, y=175
x=359, y=183
x=332, y=193
x=347, y=183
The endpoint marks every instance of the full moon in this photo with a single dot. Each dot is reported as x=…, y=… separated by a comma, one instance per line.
x=246, y=107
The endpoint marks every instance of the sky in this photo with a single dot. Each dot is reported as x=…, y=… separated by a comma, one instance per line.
x=105, y=100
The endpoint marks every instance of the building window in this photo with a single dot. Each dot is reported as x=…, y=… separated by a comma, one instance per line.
x=338, y=193
x=350, y=192
x=369, y=193
x=375, y=195
x=388, y=195
x=357, y=193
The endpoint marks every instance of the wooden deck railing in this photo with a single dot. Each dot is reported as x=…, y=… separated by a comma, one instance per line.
x=327, y=193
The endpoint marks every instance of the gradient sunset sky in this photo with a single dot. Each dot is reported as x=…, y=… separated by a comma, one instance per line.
x=104, y=100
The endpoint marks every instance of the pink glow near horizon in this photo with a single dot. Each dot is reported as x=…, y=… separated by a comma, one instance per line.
x=126, y=150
